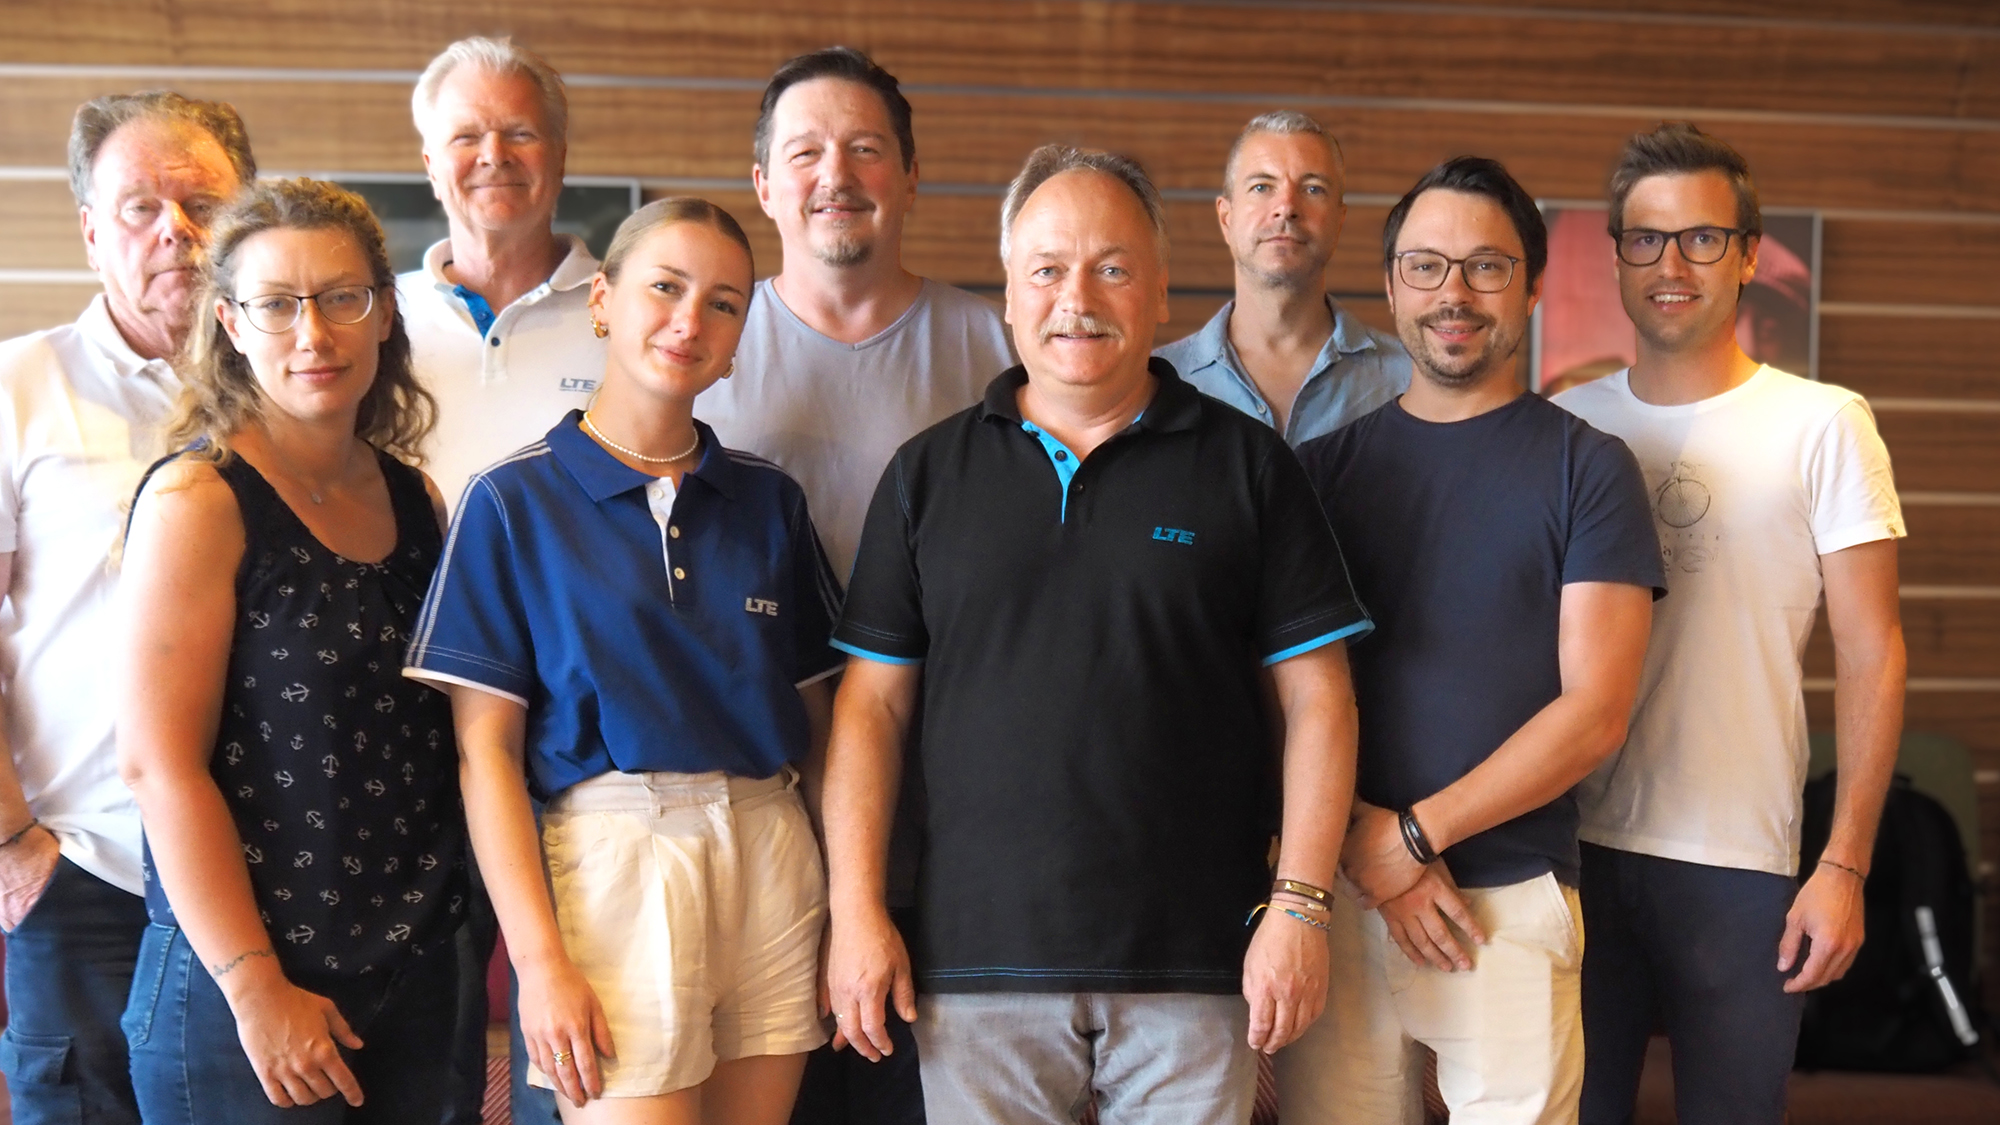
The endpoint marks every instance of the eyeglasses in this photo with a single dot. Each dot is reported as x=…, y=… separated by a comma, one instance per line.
x=1700, y=246
x=277, y=312
x=1483, y=273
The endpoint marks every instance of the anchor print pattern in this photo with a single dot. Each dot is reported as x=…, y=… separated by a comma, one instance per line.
x=341, y=775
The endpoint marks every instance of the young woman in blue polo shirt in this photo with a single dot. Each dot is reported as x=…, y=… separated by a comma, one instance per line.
x=640, y=617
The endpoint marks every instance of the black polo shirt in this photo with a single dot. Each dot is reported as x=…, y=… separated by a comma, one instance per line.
x=1101, y=771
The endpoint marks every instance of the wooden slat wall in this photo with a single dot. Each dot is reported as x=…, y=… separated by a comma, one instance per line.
x=1884, y=114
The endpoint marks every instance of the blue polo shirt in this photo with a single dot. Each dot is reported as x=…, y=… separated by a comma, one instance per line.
x=1357, y=370
x=634, y=647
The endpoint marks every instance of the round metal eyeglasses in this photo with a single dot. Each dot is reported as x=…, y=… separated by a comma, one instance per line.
x=1483, y=273
x=277, y=312
x=1700, y=246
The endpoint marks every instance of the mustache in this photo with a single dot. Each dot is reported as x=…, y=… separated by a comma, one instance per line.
x=1070, y=324
x=1457, y=314
x=839, y=198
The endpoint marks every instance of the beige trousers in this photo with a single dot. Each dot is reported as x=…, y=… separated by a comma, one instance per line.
x=1508, y=1033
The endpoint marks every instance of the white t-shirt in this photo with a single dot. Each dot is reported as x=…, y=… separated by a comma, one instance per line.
x=505, y=389
x=1749, y=489
x=80, y=413
x=832, y=414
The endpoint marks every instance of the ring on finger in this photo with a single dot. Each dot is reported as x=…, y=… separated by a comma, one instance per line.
x=562, y=1058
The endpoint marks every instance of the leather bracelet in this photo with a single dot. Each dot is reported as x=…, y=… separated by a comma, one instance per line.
x=1825, y=862
x=1419, y=845
x=1301, y=903
x=1303, y=890
x=33, y=822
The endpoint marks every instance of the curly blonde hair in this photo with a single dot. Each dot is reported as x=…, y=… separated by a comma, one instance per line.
x=219, y=393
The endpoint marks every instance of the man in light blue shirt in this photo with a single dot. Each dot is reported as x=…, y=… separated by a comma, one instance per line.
x=1284, y=351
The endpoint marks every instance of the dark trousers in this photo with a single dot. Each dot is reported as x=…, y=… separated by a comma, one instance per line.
x=842, y=1088
x=1694, y=948
x=69, y=969
x=188, y=1065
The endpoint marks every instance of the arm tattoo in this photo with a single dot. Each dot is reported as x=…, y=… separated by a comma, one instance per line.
x=217, y=971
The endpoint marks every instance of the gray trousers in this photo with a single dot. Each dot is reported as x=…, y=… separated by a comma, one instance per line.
x=1007, y=1058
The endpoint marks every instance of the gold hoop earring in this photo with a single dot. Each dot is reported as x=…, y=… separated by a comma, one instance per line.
x=598, y=328
x=730, y=370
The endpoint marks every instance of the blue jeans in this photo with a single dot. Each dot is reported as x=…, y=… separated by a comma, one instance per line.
x=1695, y=948
x=69, y=968
x=188, y=1065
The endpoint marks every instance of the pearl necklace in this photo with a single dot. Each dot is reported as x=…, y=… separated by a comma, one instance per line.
x=635, y=454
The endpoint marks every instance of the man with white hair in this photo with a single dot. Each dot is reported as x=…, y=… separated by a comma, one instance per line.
x=501, y=334
x=1284, y=351
x=81, y=409
x=498, y=314
x=1089, y=861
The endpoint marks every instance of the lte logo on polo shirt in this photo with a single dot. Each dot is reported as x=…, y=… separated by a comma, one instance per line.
x=760, y=605
x=1174, y=535
x=582, y=386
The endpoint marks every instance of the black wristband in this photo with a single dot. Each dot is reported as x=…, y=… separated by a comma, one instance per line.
x=1414, y=839
x=33, y=823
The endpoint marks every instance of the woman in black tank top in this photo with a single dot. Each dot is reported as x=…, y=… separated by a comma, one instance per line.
x=305, y=842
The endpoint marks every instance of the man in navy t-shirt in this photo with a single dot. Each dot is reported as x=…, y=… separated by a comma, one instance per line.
x=1507, y=551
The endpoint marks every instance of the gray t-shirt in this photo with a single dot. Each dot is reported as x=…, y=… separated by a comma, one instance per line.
x=832, y=414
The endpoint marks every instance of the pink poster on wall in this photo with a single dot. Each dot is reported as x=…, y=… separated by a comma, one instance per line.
x=1581, y=331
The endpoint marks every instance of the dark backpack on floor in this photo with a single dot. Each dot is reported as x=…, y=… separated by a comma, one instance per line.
x=1892, y=1012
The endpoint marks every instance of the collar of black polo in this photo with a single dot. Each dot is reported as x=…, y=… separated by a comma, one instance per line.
x=1175, y=406
x=603, y=476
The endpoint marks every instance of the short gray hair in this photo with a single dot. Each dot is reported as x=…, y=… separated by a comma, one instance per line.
x=495, y=56
x=1049, y=161
x=98, y=118
x=1286, y=123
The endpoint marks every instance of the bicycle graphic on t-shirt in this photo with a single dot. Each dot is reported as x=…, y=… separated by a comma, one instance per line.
x=1679, y=503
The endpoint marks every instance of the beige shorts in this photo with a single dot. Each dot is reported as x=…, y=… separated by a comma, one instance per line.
x=693, y=903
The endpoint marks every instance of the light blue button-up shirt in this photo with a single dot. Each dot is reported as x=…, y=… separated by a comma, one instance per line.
x=1358, y=370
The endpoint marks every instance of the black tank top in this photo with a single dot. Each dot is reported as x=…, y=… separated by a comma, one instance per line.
x=341, y=774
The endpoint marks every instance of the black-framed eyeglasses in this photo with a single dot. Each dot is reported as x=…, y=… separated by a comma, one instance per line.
x=1700, y=246
x=1483, y=273
x=277, y=312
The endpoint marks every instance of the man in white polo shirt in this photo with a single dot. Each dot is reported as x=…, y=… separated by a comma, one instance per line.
x=497, y=315
x=845, y=356
x=81, y=408
x=500, y=333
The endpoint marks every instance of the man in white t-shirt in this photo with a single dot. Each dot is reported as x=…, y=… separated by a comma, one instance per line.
x=846, y=355
x=81, y=408
x=500, y=334
x=498, y=314
x=1768, y=491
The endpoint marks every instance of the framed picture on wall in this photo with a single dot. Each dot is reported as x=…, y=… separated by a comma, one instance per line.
x=412, y=219
x=1580, y=332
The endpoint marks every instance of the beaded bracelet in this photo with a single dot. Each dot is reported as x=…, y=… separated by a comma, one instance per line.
x=1263, y=906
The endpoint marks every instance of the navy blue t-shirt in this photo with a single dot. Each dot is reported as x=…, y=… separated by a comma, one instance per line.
x=1459, y=537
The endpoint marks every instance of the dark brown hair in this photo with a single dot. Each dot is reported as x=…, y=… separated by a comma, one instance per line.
x=1679, y=148
x=849, y=65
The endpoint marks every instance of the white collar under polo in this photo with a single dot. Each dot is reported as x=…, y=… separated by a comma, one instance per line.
x=500, y=389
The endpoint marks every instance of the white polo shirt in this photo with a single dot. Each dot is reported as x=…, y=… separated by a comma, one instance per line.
x=80, y=413
x=504, y=388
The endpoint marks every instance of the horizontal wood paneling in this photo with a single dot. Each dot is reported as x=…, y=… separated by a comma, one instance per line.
x=976, y=139
x=1904, y=263
x=1954, y=640
x=30, y=308
x=1943, y=452
x=1951, y=546
x=38, y=227
x=1911, y=357
x=1222, y=48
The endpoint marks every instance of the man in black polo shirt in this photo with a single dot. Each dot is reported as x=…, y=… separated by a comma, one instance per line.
x=1508, y=550
x=1087, y=576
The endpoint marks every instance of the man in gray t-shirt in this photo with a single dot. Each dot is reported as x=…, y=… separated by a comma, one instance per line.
x=832, y=413
x=845, y=356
